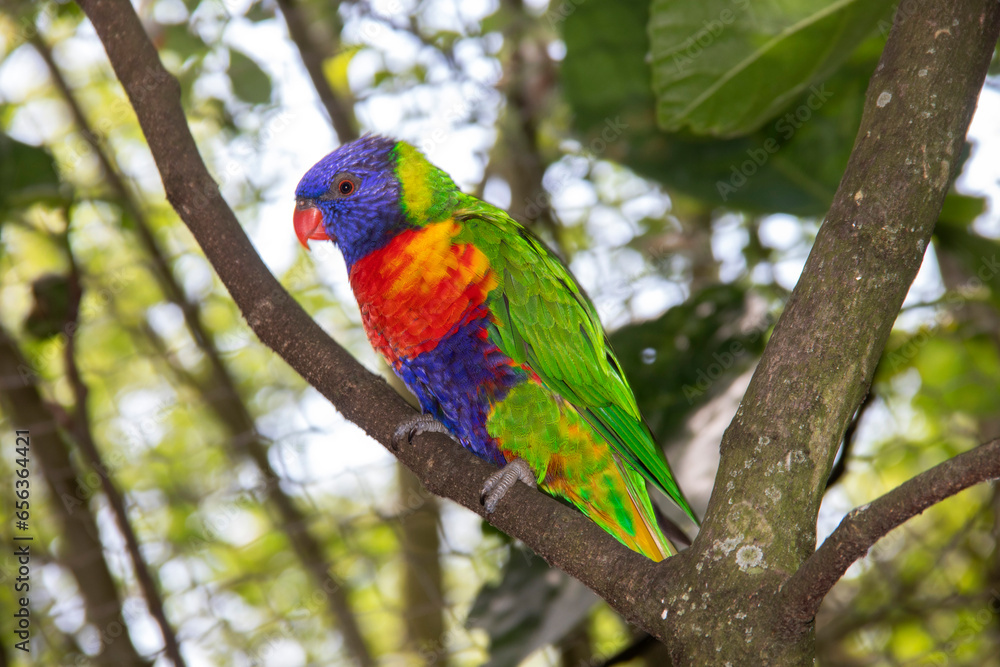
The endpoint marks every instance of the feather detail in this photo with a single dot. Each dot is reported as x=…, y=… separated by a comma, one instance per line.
x=419, y=289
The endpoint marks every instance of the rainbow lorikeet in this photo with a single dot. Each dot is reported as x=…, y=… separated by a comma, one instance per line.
x=491, y=332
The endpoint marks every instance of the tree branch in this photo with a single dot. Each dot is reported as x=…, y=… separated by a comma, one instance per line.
x=561, y=535
x=865, y=525
x=777, y=453
x=222, y=392
x=341, y=114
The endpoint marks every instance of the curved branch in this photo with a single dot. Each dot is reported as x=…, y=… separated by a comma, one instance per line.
x=561, y=535
x=865, y=525
x=341, y=113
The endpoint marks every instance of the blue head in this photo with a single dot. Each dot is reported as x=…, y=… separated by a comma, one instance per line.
x=352, y=197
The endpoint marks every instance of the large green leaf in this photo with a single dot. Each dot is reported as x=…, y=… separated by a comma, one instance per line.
x=726, y=67
x=790, y=165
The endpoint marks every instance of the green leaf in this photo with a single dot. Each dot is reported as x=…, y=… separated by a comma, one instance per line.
x=27, y=175
x=532, y=606
x=183, y=41
x=978, y=256
x=50, y=312
x=725, y=67
x=960, y=210
x=791, y=165
x=335, y=69
x=250, y=83
x=959, y=373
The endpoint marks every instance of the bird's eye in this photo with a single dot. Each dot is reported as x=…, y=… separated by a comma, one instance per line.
x=342, y=185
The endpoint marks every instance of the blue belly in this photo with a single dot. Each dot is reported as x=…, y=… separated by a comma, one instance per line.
x=458, y=381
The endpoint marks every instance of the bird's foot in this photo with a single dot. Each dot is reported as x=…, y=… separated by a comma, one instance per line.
x=499, y=483
x=406, y=431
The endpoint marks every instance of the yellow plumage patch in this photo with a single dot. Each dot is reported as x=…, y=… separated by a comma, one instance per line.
x=414, y=170
x=429, y=261
x=420, y=287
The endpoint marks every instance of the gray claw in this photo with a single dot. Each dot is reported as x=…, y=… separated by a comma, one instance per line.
x=406, y=431
x=499, y=483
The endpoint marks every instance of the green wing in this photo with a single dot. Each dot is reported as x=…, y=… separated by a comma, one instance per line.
x=545, y=320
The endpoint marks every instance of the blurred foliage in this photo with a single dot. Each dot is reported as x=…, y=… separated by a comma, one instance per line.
x=670, y=143
x=532, y=606
x=791, y=164
x=674, y=362
x=27, y=176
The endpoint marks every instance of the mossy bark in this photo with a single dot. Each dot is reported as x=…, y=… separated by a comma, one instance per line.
x=819, y=363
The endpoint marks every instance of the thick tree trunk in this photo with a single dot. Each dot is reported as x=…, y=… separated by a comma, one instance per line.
x=818, y=365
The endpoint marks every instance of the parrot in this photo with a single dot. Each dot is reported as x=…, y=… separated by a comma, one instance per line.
x=491, y=332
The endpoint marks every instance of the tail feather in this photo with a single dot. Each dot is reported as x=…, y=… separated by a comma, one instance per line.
x=648, y=539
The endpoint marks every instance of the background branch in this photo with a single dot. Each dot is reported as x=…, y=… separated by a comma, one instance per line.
x=84, y=438
x=81, y=551
x=864, y=526
x=840, y=467
x=340, y=112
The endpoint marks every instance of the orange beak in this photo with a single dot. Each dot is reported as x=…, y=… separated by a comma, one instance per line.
x=308, y=223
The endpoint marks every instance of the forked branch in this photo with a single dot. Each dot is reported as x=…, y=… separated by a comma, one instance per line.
x=864, y=526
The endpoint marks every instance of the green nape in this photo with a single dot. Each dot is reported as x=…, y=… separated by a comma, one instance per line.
x=429, y=195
